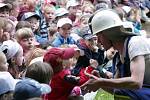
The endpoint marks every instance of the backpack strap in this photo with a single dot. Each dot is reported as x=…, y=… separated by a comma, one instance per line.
x=124, y=69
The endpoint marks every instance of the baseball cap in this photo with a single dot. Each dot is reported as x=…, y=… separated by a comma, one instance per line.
x=61, y=11
x=7, y=82
x=29, y=15
x=29, y=88
x=10, y=48
x=63, y=21
x=72, y=3
x=86, y=34
x=54, y=53
x=9, y=6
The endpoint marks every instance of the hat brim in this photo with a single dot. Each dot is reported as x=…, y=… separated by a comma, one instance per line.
x=9, y=6
x=68, y=53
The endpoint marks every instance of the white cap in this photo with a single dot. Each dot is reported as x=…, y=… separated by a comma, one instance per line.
x=72, y=3
x=11, y=48
x=5, y=5
x=61, y=12
x=63, y=21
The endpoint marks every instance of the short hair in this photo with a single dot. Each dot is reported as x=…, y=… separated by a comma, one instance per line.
x=3, y=22
x=46, y=7
x=23, y=24
x=24, y=33
x=32, y=54
x=40, y=71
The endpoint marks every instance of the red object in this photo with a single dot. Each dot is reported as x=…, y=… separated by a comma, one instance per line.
x=83, y=77
x=54, y=53
x=61, y=89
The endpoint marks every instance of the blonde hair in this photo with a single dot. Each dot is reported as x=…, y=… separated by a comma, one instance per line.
x=23, y=33
x=48, y=7
x=34, y=53
x=88, y=5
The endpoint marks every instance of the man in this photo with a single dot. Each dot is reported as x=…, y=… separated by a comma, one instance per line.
x=132, y=76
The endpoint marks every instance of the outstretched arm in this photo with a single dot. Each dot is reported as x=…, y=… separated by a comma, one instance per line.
x=135, y=81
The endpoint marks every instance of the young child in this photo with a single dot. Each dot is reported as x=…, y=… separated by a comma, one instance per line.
x=72, y=6
x=64, y=26
x=62, y=82
x=5, y=10
x=49, y=13
x=7, y=29
x=7, y=82
x=88, y=9
x=33, y=54
x=34, y=19
x=88, y=44
x=7, y=86
x=14, y=55
x=35, y=82
x=22, y=24
x=25, y=38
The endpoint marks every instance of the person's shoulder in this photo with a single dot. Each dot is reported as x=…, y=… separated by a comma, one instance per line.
x=136, y=39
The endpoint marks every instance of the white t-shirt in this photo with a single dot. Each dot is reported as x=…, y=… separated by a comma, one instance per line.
x=137, y=46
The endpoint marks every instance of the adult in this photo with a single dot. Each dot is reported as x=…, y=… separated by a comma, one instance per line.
x=131, y=77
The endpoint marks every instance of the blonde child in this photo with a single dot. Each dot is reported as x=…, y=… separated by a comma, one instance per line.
x=35, y=53
x=26, y=39
x=88, y=9
x=7, y=29
x=49, y=13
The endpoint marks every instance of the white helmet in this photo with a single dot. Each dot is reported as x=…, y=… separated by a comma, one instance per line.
x=103, y=20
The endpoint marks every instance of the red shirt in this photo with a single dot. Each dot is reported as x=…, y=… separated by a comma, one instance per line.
x=61, y=89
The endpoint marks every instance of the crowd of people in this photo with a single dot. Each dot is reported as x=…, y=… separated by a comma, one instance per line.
x=63, y=49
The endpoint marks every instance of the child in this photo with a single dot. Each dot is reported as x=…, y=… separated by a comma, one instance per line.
x=62, y=82
x=7, y=29
x=64, y=26
x=49, y=13
x=89, y=45
x=7, y=82
x=5, y=10
x=33, y=54
x=22, y=24
x=72, y=6
x=7, y=86
x=34, y=84
x=25, y=38
x=88, y=9
x=34, y=20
